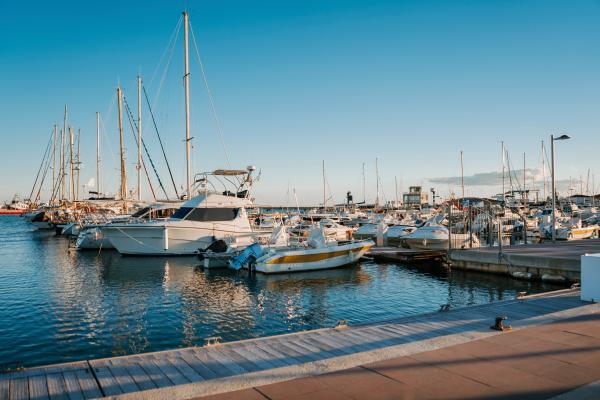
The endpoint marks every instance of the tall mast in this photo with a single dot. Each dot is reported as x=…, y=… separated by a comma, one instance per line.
x=377, y=179
x=363, y=185
x=139, y=124
x=186, y=81
x=78, y=166
x=524, y=180
x=53, y=164
x=503, y=162
x=63, y=175
x=324, y=198
x=72, y=188
x=544, y=170
x=98, y=154
x=123, y=190
x=396, y=182
x=462, y=175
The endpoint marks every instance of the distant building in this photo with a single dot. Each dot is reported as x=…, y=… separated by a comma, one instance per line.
x=415, y=196
x=580, y=199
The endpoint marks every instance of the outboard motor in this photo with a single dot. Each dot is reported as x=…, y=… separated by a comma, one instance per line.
x=250, y=253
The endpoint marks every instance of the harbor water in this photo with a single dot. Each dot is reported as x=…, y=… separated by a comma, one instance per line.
x=58, y=305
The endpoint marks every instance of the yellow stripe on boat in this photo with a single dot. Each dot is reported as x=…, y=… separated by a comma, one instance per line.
x=302, y=258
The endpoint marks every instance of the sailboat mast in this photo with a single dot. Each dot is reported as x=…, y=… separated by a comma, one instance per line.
x=396, y=182
x=503, y=162
x=324, y=195
x=98, y=154
x=63, y=175
x=53, y=164
x=72, y=188
x=139, y=124
x=123, y=174
x=364, y=186
x=524, y=179
x=78, y=167
x=462, y=175
x=377, y=179
x=544, y=170
x=186, y=81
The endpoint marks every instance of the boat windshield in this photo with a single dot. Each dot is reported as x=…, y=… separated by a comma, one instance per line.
x=206, y=214
x=141, y=212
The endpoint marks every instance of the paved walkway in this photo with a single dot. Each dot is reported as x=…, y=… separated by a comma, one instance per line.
x=557, y=359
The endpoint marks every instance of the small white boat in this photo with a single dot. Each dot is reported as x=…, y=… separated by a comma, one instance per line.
x=321, y=255
x=395, y=233
x=576, y=232
x=432, y=236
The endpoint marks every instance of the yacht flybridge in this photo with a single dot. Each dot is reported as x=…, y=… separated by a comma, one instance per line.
x=212, y=214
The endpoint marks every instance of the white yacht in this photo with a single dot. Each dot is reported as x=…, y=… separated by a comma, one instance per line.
x=209, y=216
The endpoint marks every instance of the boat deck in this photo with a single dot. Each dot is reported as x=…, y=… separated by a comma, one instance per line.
x=196, y=371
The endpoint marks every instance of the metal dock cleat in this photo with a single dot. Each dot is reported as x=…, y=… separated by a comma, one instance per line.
x=444, y=307
x=341, y=324
x=213, y=341
x=521, y=295
x=499, y=325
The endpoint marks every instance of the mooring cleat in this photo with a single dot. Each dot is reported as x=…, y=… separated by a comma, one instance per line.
x=212, y=341
x=341, y=324
x=520, y=295
x=499, y=325
x=445, y=307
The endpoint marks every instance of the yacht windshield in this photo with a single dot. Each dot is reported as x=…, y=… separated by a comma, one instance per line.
x=206, y=214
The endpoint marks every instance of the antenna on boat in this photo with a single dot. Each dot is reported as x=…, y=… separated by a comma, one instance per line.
x=363, y=186
x=324, y=193
x=503, y=163
x=186, y=81
x=462, y=175
x=139, y=141
x=63, y=190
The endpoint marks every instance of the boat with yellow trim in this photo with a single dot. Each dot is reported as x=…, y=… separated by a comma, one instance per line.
x=331, y=255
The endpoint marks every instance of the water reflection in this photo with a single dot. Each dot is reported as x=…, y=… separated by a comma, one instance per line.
x=57, y=305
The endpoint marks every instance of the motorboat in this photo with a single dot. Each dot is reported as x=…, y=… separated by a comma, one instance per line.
x=316, y=253
x=206, y=217
x=394, y=234
x=434, y=236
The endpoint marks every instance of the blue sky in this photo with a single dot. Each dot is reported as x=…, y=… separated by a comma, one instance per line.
x=296, y=82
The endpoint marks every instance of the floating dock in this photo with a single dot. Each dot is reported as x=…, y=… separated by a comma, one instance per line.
x=218, y=368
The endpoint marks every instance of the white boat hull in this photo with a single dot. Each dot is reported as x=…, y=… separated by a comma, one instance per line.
x=161, y=239
x=312, y=259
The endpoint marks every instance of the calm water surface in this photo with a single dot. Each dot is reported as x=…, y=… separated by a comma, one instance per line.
x=58, y=306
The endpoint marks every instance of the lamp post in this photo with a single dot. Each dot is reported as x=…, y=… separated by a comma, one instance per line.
x=552, y=140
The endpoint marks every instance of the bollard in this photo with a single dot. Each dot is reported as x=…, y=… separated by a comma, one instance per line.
x=499, y=325
x=341, y=324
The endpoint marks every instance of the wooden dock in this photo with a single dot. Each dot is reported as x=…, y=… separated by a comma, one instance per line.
x=195, y=371
x=399, y=254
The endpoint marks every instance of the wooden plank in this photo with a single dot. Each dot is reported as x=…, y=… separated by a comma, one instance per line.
x=56, y=387
x=19, y=389
x=317, y=341
x=319, y=351
x=72, y=386
x=169, y=370
x=197, y=365
x=215, y=363
x=5, y=387
x=283, y=357
x=139, y=376
x=299, y=355
x=242, y=362
x=122, y=377
x=107, y=381
x=335, y=344
x=261, y=356
x=280, y=360
x=38, y=388
x=185, y=369
x=157, y=376
x=309, y=356
x=88, y=384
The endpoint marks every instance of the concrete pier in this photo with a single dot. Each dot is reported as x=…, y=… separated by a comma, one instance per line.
x=220, y=368
x=558, y=262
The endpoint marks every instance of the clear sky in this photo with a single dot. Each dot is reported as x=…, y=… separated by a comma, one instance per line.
x=297, y=82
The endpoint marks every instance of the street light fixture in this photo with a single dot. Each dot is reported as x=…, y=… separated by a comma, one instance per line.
x=552, y=140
